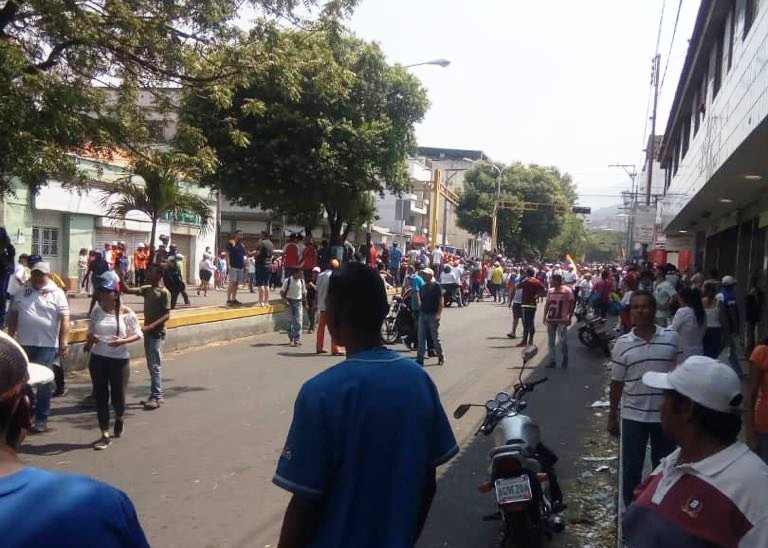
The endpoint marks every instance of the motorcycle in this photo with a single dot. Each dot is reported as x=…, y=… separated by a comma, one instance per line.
x=595, y=333
x=399, y=323
x=522, y=473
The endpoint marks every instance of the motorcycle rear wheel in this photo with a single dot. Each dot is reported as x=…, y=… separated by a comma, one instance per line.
x=521, y=533
x=588, y=338
x=389, y=331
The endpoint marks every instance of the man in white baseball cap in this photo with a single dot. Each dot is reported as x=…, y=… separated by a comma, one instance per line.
x=712, y=490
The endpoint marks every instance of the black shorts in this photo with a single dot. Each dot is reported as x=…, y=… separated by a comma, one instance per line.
x=517, y=310
x=262, y=275
x=205, y=275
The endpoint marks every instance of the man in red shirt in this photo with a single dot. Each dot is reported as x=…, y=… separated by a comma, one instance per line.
x=558, y=311
x=291, y=255
x=308, y=260
x=532, y=289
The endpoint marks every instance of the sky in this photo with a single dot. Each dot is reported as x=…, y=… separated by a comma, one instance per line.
x=552, y=82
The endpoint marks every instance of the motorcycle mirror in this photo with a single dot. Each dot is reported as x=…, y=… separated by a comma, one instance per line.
x=530, y=352
x=461, y=410
x=491, y=405
x=502, y=397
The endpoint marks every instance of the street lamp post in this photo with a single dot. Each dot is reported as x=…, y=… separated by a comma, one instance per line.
x=495, y=215
x=437, y=62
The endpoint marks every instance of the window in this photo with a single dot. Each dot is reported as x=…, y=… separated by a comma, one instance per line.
x=45, y=241
x=749, y=15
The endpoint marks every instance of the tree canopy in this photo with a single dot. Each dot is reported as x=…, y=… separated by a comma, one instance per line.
x=521, y=230
x=324, y=126
x=57, y=59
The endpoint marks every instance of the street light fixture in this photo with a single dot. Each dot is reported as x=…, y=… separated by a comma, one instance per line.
x=495, y=216
x=438, y=62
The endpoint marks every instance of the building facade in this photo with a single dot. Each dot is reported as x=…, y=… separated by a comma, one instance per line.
x=715, y=144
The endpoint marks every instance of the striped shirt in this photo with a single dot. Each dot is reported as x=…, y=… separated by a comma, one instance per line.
x=721, y=500
x=633, y=357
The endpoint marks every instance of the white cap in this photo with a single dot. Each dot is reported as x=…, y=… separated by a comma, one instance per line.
x=728, y=280
x=316, y=269
x=428, y=271
x=42, y=266
x=708, y=382
x=140, y=246
x=179, y=256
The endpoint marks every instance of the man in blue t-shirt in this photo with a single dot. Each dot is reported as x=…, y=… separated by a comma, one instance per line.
x=395, y=256
x=43, y=508
x=366, y=437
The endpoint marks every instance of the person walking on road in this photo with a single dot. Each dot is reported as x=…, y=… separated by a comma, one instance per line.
x=516, y=302
x=496, y=282
x=111, y=328
x=39, y=321
x=237, y=253
x=294, y=293
x=264, y=268
x=531, y=290
x=45, y=508
x=558, y=314
x=712, y=490
x=395, y=257
x=157, y=311
x=430, y=299
x=335, y=441
x=323, y=283
x=646, y=348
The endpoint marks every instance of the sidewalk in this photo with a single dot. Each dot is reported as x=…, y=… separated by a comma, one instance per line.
x=79, y=302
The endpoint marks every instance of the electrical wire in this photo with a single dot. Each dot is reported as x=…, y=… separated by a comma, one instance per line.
x=671, y=45
x=644, y=143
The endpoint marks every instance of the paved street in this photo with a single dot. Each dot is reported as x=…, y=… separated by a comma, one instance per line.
x=199, y=469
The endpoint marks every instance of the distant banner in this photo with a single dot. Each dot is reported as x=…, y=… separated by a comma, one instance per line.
x=645, y=222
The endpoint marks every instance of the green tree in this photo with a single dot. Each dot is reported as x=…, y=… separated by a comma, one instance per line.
x=159, y=193
x=57, y=58
x=573, y=239
x=522, y=230
x=315, y=134
x=604, y=245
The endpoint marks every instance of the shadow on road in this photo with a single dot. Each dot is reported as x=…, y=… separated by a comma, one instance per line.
x=50, y=449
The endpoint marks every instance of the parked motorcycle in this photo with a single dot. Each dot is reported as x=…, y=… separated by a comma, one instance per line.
x=399, y=325
x=596, y=333
x=522, y=474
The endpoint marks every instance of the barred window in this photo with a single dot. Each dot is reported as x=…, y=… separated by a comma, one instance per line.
x=45, y=241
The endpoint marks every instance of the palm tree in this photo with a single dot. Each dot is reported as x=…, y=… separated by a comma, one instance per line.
x=158, y=195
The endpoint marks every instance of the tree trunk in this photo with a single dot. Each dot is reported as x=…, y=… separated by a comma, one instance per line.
x=335, y=227
x=152, y=235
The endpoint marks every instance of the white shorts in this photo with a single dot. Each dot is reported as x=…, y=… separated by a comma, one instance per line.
x=236, y=275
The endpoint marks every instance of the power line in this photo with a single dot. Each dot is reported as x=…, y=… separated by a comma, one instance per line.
x=671, y=44
x=644, y=143
x=661, y=23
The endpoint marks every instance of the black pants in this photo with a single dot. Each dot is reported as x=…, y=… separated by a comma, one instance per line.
x=529, y=324
x=141, y=276
x=108, y=375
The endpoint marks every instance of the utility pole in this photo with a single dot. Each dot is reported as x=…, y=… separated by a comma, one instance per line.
x=652, y=153
x=436, y=181
x=631, y=171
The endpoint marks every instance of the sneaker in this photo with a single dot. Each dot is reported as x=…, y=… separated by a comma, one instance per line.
x=102, y=443
x=236, y=302
x=322, y=352
x=61, y=392
x=230, y=301
x=40, y=427
x=441, y=360
x=119, y=427
x=511, y=335
x=152, y=404
x=521, y=345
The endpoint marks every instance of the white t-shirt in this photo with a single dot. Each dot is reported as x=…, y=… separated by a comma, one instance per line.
x=569, y=277
x=104, y=326
x=294, y=289
x=585, y=288
x=19, y=278
x=448, y=278
x=690, y=333
x=40, y=312
x=206, y=265
x=251, y=265
x=437, y=256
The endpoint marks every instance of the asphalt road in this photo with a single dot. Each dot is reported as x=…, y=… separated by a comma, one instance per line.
x=199, y=469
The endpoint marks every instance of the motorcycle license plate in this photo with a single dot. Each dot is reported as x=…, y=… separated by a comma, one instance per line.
x=513, y=490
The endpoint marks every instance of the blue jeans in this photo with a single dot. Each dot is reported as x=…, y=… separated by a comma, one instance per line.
x=44, y=356
x=634, y=442
x=297, y=317
x=428, y=325
x=153, y=349
x=733, y=357
x=558, y=331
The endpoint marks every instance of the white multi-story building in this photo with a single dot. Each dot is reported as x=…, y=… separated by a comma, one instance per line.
x=715, y=150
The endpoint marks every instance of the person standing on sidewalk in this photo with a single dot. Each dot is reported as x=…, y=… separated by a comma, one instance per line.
x=263, y=260
x=111, y=328
x=39, y=321
x=291, y=255
x=294, y=293
x=206, y=271
x=558, y=313
x=140, y=263
x=531, y=291
x=323, y=282
x=312, y=299
x=358, y=429
x=82, y=269
x=395, y=257
x=237, y=253
x=712, y=491
x=44, y=508
x=646, y=348
x=430, y=299
x=157, y=311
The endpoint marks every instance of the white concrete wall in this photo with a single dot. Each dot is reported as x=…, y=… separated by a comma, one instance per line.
x=741, y=104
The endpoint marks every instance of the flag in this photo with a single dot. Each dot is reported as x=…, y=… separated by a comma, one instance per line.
x=570, y=260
